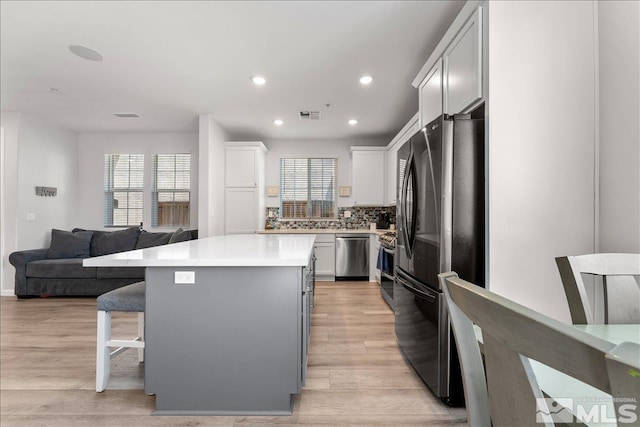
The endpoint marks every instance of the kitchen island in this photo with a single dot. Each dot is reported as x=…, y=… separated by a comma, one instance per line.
x=227, y=322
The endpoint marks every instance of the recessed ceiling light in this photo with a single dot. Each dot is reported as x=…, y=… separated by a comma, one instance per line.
x=278, y=122
x=258, y=80
x=353, y=122
x=85, y=53
x=365, y=80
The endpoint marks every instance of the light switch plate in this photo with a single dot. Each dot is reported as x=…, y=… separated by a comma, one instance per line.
x=344, y=191
x=184, y=277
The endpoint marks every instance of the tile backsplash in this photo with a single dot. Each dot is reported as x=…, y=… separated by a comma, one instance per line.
x=361, y=217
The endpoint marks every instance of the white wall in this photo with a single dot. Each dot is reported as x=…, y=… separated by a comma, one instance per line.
x=211, y=142
x=47, y=156
x=541, y=146
x=9, y=122
x=312, y=148
x=35, y=154
x=619, y=52
x=92, y=148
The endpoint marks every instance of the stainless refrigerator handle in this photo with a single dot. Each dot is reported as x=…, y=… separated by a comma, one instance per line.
x=414, y=290
x=403, y=205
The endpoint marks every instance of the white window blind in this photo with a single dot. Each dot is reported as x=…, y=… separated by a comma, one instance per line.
x=308, y=188
x=123, y=189
x=171, y=196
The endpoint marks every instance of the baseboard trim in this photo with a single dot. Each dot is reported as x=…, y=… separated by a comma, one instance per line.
x=7, y=293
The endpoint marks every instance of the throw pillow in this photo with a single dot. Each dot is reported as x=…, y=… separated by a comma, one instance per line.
x=148, y=240
x=111, y=242
x=180, y=235
x=66, y=244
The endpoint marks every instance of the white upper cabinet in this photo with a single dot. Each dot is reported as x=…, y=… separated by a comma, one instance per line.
x=463, y=67
x=368, y=175
x=430, y=95
x=243, y=164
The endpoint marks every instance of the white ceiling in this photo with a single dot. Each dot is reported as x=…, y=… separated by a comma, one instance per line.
x=170, y=61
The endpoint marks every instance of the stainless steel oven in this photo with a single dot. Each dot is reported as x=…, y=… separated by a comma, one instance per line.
x=386, y=257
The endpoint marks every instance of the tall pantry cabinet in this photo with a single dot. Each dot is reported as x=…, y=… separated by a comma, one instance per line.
x=244, y=187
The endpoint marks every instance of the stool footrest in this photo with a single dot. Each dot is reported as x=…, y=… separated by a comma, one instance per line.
x=124, y=345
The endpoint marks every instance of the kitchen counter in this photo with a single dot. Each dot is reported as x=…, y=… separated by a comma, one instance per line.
x=227, y=322
x=324, y=231
x=249, y=250
x=327, y=259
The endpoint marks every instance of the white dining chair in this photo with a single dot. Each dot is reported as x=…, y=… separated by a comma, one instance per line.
x=512, y=334
x=618, y=300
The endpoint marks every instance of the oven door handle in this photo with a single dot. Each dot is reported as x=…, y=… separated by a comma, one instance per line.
x=387, y=250
x=415, y=290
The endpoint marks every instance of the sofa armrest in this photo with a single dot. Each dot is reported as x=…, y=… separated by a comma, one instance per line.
x=19, y=260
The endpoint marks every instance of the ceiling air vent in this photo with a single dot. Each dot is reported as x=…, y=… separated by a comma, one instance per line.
x=309, y=115
x=126, y=115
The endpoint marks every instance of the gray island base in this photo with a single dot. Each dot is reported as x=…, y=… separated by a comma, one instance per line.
x=228, y=345
x=233, y=342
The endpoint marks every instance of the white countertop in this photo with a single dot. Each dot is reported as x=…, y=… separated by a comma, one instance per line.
x=323, y=231
x=242, y=250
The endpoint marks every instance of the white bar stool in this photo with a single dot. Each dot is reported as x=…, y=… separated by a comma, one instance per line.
x=129, y=298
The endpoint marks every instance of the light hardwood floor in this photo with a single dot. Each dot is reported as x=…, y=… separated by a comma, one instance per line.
x=356, y=375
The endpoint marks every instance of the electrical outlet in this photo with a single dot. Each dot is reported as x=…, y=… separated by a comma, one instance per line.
x=31, y=216
x=184, y=277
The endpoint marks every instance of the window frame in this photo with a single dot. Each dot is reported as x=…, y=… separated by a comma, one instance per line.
x=155, y=192
x=109, y=190
x=309, y=200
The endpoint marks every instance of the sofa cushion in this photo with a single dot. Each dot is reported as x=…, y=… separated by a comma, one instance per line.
x=65, y=244
x=73, y=287
x=148, y=240
x=180, y=235
x=110, y=242
x=68, y=268
x=120, y=273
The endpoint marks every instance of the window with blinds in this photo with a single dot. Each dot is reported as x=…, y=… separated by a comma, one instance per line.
x=308, y=188
x=123, y=189
x=171, y=195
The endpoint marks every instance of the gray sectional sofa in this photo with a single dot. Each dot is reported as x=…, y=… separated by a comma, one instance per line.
x=58, y=271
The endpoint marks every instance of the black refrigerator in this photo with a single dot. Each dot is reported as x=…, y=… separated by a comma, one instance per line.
x=441, y=227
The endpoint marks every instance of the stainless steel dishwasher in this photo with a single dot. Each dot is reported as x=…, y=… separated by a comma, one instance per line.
x=352, y=257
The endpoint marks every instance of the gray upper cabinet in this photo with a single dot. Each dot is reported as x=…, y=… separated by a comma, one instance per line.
x=463, y=67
